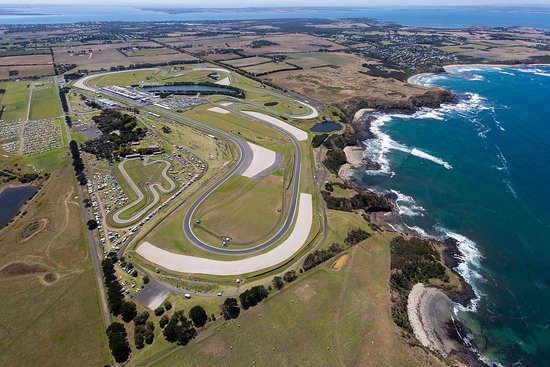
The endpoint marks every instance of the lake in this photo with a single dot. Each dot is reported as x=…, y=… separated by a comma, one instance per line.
x=11, y=200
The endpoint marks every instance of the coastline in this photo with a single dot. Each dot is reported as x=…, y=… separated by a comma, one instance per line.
x=413, y=79
x=429, y=307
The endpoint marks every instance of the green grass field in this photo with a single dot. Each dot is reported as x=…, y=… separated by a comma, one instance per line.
x=243, y=209
x=14, y=100
x=327, y=317
x=45, y=102
x=50, y=313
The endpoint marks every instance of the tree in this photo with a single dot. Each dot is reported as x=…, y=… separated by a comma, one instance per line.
x=290, y=276
x=92, y=224
x=145, y=279
x=198, y=315
x=251, y=297
x=278, y=283
x=230, y=309
x=135, y=273
x=167, y=306
x=163, y=321
x=179, y=329
x=128, y=311
x=117, y=342
x=139, y=336
x=159, y=311
x=142, y=318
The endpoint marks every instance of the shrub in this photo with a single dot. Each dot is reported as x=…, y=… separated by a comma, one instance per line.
x=278, y=283
x=290, y=276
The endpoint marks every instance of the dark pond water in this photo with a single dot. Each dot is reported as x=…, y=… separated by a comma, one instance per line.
x=325, y=127
x=191, y=89
x=11, y=200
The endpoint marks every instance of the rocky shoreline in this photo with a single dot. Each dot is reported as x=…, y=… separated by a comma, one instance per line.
x=429, y=308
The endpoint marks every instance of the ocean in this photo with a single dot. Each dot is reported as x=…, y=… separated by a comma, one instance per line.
x=438, y=17
x=479, y=171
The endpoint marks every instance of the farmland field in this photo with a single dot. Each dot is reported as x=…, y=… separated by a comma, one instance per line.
x=267, y=68
x=247, y=61
x=14, y=100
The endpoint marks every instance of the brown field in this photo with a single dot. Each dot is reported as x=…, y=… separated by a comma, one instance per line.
x=285, y=44
x=26, y=60
x=289, y=43
x=26, y=71
x=247, y=61
x=221, y=56
x=50, y=313
x=338, y=83
x=107, y=55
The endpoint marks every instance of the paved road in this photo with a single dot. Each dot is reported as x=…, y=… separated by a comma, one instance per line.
x=244, y=159
x=154, y=188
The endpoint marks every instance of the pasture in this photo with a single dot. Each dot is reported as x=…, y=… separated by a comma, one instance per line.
x=50, y=313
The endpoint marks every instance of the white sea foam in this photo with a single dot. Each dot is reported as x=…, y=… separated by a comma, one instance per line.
x=535, y=71
x=507, y=73
x=406, y=205
x=377, y=149
x=421, y=154
x=469, y=267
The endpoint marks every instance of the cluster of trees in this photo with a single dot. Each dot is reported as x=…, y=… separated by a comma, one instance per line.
x=262, y=43
x=115, y=299
x=368, y=201
x=334, y=159
x=118, y=131
x=412, y=261
x=78, y=163
x=329, y=186
x=289, y=277
x=63, y=97
x=118, y=343
x=355, y=236
x=143, y=330
x=178, y=329
x=251, y=297
x=144, y=65
x=317, y=140
x=320, y=256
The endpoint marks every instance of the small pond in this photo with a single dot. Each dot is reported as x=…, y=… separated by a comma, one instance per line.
x=11, y=200
x=191, y=89
x=325, y=127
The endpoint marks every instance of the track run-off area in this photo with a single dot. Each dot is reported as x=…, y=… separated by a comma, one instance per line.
x=254, y=161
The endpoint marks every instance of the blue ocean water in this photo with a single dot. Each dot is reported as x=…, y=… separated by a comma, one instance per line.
x=439, y=17
x=479, y=171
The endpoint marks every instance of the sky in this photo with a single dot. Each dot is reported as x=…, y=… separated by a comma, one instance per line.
x=275, y=3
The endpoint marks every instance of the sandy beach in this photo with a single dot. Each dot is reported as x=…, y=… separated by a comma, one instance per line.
x=429, y=311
